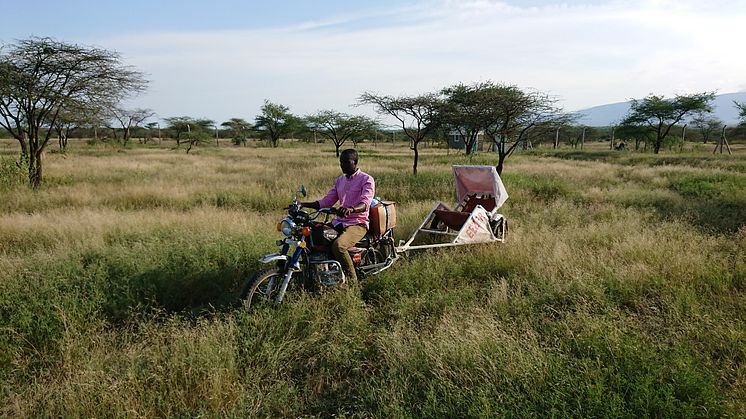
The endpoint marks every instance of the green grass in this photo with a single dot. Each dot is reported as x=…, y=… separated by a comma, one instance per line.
x=619, y=292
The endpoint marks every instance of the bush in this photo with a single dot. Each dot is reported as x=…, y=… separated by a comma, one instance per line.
x=12, y=173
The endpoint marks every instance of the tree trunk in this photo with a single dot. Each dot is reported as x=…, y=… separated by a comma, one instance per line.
x=126, y=136
x=35, y=169
x=658, y=143
x=500, y=163
x=416, y=157
x=62, y=140
x=556, y=139
x=336, y=149
x=24, y=146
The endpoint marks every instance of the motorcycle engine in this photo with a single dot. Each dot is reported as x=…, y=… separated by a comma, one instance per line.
x=323, y=235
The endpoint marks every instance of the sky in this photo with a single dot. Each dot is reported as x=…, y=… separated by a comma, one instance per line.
x=222, y=59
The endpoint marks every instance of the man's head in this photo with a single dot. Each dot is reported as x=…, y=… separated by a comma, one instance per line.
x=348, y=161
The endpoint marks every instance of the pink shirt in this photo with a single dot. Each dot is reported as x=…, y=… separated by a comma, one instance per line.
x=359, y=187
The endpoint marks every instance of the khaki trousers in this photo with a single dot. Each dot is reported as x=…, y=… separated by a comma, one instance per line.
x=347, y=239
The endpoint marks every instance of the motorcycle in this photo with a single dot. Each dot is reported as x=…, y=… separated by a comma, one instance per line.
x=305, y=255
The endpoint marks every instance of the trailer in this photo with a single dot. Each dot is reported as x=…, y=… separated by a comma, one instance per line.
x=474, y=218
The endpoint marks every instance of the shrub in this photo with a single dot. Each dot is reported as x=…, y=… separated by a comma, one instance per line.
x=13, y=173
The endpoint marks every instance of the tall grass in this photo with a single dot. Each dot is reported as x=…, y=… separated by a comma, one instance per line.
x=619, y=292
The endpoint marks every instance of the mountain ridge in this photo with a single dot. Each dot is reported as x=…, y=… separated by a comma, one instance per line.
x=612, y=113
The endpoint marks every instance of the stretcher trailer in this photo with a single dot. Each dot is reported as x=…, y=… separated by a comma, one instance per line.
x=474, y=219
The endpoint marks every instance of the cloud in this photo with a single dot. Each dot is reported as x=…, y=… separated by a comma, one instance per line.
x=588, y=54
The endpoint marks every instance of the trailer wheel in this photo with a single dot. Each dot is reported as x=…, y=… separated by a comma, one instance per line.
x=500, y=229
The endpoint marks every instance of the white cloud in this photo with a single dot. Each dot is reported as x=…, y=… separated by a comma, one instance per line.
x=587, y=54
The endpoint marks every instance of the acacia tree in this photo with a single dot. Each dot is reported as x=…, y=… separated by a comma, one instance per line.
x=275, y=121
x=662, y=114
x=418, y=115
x=198, y=132
x=179, y=125
x=464, y=111
x=129, y=119
x=369, y=128
x=150, y=126
x=39, y=77
x=239, y=129
x=707, y=125
x=506, y=114
x=340, y=127
x=93, y=118
x=67, y=120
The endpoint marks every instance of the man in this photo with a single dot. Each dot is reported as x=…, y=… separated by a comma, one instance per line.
x=354, y=190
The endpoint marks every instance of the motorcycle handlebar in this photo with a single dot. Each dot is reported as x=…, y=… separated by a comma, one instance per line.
x=315, y=215
x=320, y=211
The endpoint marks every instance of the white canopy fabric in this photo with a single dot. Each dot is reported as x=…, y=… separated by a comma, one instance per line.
x=479, y=180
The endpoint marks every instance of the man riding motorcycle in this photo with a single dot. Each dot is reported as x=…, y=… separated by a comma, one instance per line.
x=354, y=190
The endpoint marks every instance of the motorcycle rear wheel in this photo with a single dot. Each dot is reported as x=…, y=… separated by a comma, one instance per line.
x=262, y=287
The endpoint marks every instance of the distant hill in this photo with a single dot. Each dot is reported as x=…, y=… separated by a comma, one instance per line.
x=612, y=113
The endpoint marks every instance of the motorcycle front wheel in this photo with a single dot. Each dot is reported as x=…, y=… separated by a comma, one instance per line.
x=262, y=287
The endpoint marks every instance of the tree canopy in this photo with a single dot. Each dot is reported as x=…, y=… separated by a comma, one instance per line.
x=417, y=115
x=239, y=128
x=340, y=127
x=275, y=121
x=129, y=119
x=464, y=111
x=707, y=125
x=182, y=125
x=39, y=77
x=504, y=113
x=662, y=114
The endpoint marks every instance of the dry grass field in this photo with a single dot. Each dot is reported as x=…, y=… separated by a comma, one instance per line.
x=620, y=292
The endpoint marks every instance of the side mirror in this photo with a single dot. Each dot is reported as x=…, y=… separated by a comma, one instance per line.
x=303, y=190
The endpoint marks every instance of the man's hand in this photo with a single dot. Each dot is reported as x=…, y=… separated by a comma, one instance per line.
x=345, y=211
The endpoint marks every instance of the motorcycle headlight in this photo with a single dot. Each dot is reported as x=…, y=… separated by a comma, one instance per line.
x=287, y=227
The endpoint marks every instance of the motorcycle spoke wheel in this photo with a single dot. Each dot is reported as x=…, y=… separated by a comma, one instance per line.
x=262, y=287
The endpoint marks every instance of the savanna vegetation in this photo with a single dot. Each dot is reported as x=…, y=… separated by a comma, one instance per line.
x=619, y=292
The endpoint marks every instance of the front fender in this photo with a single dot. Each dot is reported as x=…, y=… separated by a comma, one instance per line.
x=274, y=257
